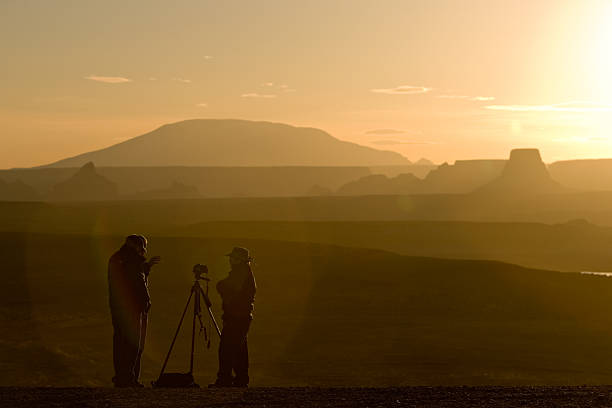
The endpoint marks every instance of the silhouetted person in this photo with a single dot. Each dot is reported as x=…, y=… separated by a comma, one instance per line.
x=238, y=294
x=128, y=273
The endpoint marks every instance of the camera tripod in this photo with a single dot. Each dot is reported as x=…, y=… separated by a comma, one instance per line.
x=196, y=293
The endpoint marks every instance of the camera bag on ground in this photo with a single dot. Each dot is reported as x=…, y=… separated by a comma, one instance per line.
x=175, y=380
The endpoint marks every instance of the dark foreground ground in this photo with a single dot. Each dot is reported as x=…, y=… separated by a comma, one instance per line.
x=586, y=396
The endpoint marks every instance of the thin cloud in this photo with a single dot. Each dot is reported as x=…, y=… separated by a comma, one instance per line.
x=208, y=57
x=282, y=88
x=202, y=105
x=453, y=97
x=257, y=95
x=183, y=80
x=108, y=79
x=386, y=142
x=384, y=132
x=578, y=107
x=468, y=98
x=286, y=88
x=403, y=90
x=152, y=79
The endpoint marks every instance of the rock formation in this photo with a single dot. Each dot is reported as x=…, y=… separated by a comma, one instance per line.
x=85, y=185
x=379, y=184
x=17, y=191
x=463, y=177
x=524, y=174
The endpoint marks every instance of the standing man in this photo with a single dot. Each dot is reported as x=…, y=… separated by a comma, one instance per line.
x=238, y=294
x=128, y=274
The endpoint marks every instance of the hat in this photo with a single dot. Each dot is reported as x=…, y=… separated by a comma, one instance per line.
x=136, y=240
x=241, y=254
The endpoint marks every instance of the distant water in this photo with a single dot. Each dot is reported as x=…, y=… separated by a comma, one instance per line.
x=606, y=274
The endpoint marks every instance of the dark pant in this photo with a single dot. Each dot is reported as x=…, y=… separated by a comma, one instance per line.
x=128, y=345
x=233, y=352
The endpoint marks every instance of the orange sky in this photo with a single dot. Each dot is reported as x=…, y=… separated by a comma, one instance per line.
x=442, y=79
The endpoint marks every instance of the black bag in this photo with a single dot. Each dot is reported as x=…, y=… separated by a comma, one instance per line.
x=175, y=380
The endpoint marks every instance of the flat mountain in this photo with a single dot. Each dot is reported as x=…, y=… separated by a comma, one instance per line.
x=214, y=142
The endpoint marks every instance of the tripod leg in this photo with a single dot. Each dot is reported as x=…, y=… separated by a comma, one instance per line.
x=196, y=313
x=202, y=326
x=176, y=335
x=212, y=317
x=210, y=313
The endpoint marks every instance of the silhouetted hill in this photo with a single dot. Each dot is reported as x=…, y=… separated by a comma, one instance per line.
x=585, y=175
x=381, y=184
x=509, y=231
x=424, y=162
x=17, y=191
x=119, y=216
x=175, y=191
x=524, y=174
x=210, y=181
x=85, y=185
x=464, y=176
x=573, y=246
x=212, y=142
x=419, y=170
x=318, y=190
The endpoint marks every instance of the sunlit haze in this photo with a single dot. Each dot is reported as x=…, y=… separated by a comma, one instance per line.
x=440, y=79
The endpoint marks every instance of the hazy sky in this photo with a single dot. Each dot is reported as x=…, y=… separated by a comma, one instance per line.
x=442, y=79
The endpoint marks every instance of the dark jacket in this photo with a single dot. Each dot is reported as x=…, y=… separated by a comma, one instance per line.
x=238, y=293
x=127, y=282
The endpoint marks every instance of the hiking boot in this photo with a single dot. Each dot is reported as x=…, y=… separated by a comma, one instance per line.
x=241, y=381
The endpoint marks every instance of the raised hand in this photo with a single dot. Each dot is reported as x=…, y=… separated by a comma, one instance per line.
x=154, y=261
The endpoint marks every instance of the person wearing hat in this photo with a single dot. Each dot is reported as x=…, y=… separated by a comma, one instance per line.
x=238, y=295
x=129, y=300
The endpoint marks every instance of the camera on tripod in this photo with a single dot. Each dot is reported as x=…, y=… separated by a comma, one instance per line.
x=198, y=295
x=199, y=270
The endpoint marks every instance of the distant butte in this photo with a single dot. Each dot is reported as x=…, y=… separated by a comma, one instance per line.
x=85, y=185
x=524, y=174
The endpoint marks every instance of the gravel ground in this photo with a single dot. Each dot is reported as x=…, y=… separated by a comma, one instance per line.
x=311, y=397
